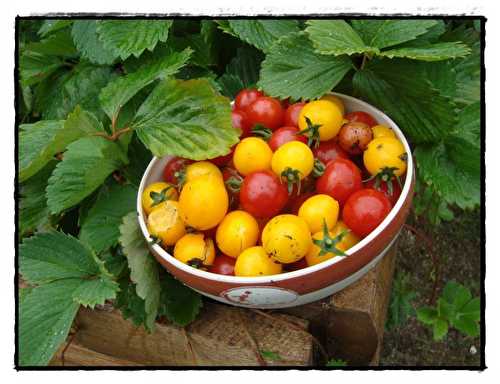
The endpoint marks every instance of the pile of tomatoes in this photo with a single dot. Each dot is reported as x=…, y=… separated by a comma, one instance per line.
x=304, y=184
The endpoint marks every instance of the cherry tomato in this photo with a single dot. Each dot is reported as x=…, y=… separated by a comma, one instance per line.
x=173, y=169
x=340, y=179
x=284, y=135
x=262, y=194
x=252, y=154
x=361, y=117
x=293, y=161
x=285, y=103
x=240, y=120
x=266, y=111
x=354, y=137
x=232, y=181
x=385, y=154
x=319, y=210
x=349, y=239
x=364, y=210
x=203, y=202
x=325, y=120
x=156, y=193
x=382, y=131
x=295, y=201
x=201, y=168
x=390, y=188
x=255, y=261
x=329, y=150
x=223, y=265
x=237, y=232
x=286, y=238
x=246, y=97
x=223, y=160
x=336, y=100
x=292, y=114
x=165, y=223
x=195, y=249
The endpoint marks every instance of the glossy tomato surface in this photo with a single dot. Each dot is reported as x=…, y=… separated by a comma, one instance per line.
x=364, y=210
x=392, y=193
x=284, y=135
x=340, y=180
x=240, y=120
x=329, y=150
x=173, y=168
x=246, y=97
x=267, y=112
x=292, y=114
x=223, y=265
x=262, y=194
x=362, y=117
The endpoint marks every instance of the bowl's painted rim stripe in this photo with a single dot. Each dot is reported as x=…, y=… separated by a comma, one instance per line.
x=304, y=271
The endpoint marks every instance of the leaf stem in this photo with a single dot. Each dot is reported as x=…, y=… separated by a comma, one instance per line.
x=115, y=135
x=363, y=62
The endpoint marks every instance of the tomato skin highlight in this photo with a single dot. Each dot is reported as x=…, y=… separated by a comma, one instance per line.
x=223, y=265
x=329, y=150
x=361, y=117
x=239, y=119
x=365, y=210
x=246, y=97
x=284, y=135
x=236, y=232
x=262, y=194
x=382, y=131
x=354, y=137
x=292, y=114
x=174, y=165
x=266, y=111
x=340, y=179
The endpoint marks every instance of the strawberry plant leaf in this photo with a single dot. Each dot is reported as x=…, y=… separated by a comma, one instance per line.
x=336, y=37
x=86, y=164
x=34, y=67
x=246, y=66
x=262, y=33
x=427, y=315
x=50, y=26
x=431, y=52
x=59, y=43
x=129, y=303
x=141, y=157
x=143, y=267
x=132, y=37
x=185, y=118
x=101, y=227
x=87, y=42
x=336, y=363
x=118, y=92
x=440, y=329
x=387, y=33
x=95, y=291
x=202, y=44
x=293, y=69
x=400, y=307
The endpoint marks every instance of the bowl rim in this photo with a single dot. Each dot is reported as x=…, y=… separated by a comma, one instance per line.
x=304, y=271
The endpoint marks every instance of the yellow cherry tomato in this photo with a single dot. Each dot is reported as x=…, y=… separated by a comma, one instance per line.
x=201, y=168
x=157, y=193
x=252, y=154
x=335, y=100
x=325, y=114
x=384, y=153
x=237, y=232
x=319, y=209
x=203, y=202
x=382, y=131
x=286, y=238
x=165, y=222
x=195, y=250
x=254, y=261
x=349, y=239
x=293, y=160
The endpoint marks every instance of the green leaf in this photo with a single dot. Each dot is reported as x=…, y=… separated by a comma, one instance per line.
x=117, y=93
x=336, y=363
x=293, y=69
x=262, y=33
x=132, y=37
x=33, y=211
x=141, y=157
x=246, y=66
x=270, y=355
x=129, y=303
x=50, y=26
x=87, y=42
x=456, y=294
x=86, y=164
x=179, y=303
x=336, y=37
x=34, y=67
x=114, y=261
x=101, y=228
x=387, y=33
x=59, y=43
x=45, y=318
x=419, y=109
x=230, y=85
x=440, y=329
x=224, y=26
x=185, y=118
x=95, y=291
x=202, y=44
x=467, y=326
x=427, y=315
x=400, y=307
x=431, y=52
x=143, y=266
x=51, y=256
x=445, y=310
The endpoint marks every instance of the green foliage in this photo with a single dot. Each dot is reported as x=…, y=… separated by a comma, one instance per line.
x=400, y=305
x=455, y=308
x=89, y=45
x=270, y=355
x=336, y=363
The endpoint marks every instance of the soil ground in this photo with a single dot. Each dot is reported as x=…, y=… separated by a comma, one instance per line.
x=457, y=246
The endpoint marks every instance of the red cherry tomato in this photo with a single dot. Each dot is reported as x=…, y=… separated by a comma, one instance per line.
x=295, y=201
x=329, y=150
x=340, y=180
x=223, y=265
x=384, y=188
x=284, y=135
x=240, y=120
x=174, y=165
x=262, y=194
x=285, y=103
x=222, y=161
x=246, y=97
x=292, y=114
x=364, y=210
x=266, y=111
x=361, y=117
x=233, y=186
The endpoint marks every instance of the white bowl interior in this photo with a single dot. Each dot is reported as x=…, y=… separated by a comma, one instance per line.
x=154, y=172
